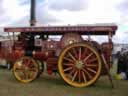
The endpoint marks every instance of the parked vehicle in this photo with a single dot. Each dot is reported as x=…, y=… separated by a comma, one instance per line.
x=79, y=61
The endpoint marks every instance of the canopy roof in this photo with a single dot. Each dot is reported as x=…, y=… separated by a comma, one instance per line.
x=59, y=30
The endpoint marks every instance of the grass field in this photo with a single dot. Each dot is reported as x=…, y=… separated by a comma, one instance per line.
x=54, y=86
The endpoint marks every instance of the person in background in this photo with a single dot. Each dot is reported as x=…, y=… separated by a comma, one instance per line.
x=121, y=62
x=122, y=66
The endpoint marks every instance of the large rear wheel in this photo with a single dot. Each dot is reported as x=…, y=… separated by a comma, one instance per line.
x=79, y=65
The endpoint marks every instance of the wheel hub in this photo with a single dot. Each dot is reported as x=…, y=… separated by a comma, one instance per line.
x=26, y=68
x=79, y=64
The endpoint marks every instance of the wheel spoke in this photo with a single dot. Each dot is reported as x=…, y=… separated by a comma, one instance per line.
x=85, y=50
x=68, y=59
x=74, y=51
x=88, y=56
x=92, y=60
x=71, y=72
x=91, y=65
x=30, y=75
x=87, y=73
x=33, y=69
x=68, y=64
x=28, y=62
x=74, y=76
x=85, y=80
x=20, y=72
x=72, y=56
x=79, y=53
x=79, y=73
x=18, y=69
x=91, y=70
x=27, y=75
x=24, y=75
x=67, y=69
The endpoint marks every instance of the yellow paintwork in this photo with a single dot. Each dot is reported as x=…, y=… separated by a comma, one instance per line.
x=61, y=71
x=18, y=77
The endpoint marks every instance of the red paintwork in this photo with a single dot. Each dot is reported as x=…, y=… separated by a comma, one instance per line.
x=51, y=49
x=58, y=30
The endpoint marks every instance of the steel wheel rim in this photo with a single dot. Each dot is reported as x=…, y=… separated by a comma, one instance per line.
x=79, y=67
x=25, y=72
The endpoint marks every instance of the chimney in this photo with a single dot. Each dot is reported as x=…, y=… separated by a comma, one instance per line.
x=32, y=13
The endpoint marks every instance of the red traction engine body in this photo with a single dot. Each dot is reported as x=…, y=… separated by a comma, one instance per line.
x=78, y=60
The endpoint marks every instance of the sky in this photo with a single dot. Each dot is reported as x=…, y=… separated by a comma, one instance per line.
x=64, y=12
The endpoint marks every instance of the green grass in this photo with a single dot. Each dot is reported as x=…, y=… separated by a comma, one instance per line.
x=54, y=86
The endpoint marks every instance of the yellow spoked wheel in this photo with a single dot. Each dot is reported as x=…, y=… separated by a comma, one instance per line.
x=25, y=69
x=79, y=65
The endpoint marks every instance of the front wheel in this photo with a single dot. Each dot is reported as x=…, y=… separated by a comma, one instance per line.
x=79, y=65
x=25, y=69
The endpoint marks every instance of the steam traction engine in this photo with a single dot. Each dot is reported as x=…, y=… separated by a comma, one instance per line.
x=79, y=61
